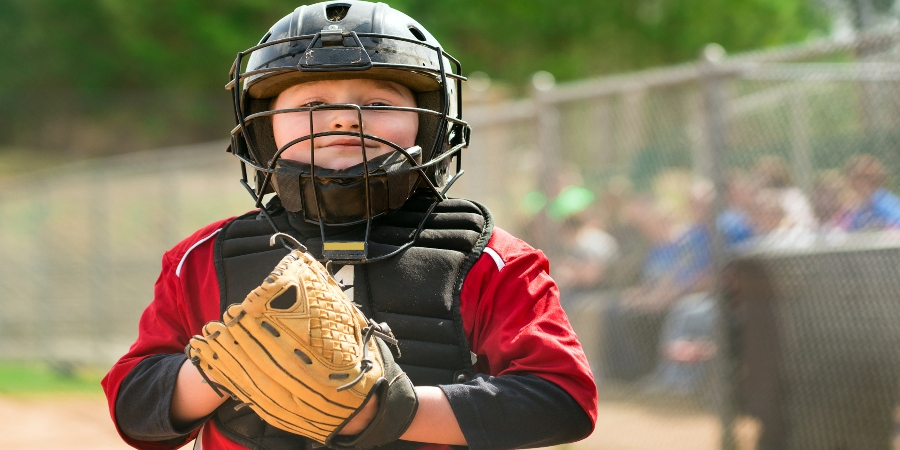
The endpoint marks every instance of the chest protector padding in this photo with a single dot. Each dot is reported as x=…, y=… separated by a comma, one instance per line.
x=416, y=291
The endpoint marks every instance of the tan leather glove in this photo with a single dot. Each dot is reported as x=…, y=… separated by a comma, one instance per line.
x=305, y=358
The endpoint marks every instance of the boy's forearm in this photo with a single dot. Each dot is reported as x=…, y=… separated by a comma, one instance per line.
x=434, y=421
x=516, y=411
x=143, y=402
x=193, y=399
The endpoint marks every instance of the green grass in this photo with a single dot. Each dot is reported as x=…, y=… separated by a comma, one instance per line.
x=33, y=378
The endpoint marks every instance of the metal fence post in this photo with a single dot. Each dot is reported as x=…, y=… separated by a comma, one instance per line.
x=43, y=307
x=100, y=269
x=549, y=153
x=712, y=77
x=801, y=152
x=170, y=198
x=5, y=278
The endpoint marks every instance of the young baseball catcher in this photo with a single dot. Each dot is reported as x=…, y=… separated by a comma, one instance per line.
x=358, y=306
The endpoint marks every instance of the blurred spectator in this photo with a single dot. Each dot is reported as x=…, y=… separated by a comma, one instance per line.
x=774, y=226
x=630, y=334
x=876, y=208
x=616, y=204
x=660, y=272
x=635, y=320
x=767, y=214
x=687, y=343
x=734, y=222
x=831, y=200
x=588, y=251
x=775, y=174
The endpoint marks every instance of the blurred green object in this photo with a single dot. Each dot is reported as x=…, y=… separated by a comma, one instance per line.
x=533, y=202
x=572, y=200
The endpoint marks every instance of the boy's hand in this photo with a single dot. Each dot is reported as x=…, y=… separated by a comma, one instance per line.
x=362, y=419
x=307, y=360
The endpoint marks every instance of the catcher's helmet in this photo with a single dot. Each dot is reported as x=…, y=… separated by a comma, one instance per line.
x=347, y=40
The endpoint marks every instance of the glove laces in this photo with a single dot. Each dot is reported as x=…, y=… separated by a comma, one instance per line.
x=381, y=330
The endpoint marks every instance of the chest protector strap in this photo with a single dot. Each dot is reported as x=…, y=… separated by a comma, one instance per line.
x=416, y=292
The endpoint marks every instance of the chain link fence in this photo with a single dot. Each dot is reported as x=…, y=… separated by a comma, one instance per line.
x=82, y=246
x=724, y=234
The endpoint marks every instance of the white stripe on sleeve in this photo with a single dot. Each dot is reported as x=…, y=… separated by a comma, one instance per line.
x=188, y=252
x=496, y=257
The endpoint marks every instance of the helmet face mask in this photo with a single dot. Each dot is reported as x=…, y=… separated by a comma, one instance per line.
x=339, y=41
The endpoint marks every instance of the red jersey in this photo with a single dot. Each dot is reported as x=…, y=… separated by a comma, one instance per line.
x=509, y=306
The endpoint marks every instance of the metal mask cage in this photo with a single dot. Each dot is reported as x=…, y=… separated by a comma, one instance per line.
x=269, y=165
x=452, y=133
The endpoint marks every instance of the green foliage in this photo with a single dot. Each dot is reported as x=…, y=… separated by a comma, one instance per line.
x=582, y=38
x=102, y=44
x=90, y=44
x=99, y=58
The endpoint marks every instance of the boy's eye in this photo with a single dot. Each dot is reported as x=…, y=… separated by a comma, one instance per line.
x=377, y=104
x=311, y=104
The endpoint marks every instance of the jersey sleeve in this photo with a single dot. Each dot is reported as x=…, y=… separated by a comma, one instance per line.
x=529, y=360
x=140, y=384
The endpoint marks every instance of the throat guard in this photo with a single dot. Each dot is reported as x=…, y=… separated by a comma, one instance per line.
x=340, y=196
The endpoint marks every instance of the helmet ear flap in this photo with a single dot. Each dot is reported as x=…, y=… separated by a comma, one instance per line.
x=429, y=124
x=260, y=132
x=238, y=147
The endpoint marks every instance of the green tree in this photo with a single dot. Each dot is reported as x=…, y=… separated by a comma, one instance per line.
x=96, y=52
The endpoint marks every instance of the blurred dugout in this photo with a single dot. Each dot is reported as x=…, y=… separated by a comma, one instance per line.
x=724, y=234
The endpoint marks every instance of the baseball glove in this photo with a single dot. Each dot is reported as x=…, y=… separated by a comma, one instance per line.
x=305, y=358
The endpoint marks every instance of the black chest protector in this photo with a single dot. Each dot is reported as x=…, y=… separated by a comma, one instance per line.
x=416, y=291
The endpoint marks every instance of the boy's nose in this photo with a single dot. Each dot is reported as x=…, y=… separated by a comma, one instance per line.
x=343, y=119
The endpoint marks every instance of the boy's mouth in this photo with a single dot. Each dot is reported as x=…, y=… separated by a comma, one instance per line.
x=345, y=143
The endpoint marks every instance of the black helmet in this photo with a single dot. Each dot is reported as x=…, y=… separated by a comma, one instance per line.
x=348, y=40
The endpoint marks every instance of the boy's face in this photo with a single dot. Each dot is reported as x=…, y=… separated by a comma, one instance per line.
x=341, y=152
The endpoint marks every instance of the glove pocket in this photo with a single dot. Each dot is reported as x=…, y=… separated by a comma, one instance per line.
x=297, y=366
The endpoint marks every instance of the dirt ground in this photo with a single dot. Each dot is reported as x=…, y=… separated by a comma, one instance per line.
x=83, y=423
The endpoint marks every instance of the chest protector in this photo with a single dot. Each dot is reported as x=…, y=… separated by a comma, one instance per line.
x=416, y=292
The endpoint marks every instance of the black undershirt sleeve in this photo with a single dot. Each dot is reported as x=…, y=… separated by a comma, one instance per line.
x=516, y=411
x=512, y=411
x=145, y=398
